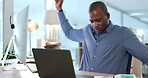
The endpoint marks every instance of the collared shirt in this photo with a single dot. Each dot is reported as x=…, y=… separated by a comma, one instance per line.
x=96, y=34
x=108, y=53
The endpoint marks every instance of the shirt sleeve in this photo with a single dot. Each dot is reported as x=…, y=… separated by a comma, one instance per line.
x=69, y=31
x=135, y=47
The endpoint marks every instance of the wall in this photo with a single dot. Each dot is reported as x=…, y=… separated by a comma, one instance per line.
x=1, y=28
x=115, y=16
x=7, y=12
x=1, y=41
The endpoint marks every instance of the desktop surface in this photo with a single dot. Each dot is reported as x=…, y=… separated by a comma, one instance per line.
x=28, y=74
x=77, y=76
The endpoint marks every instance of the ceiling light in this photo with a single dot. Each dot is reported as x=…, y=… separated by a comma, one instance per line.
x=144, y=19
x=136, y=14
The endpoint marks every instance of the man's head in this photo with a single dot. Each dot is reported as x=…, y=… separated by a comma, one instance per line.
x=99, y=16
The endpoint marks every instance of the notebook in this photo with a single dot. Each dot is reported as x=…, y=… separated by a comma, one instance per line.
x=54, y=63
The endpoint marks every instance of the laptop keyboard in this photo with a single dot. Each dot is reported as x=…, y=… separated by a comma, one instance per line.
x=32, y=68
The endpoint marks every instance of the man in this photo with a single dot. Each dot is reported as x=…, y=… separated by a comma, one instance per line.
x=107, y=48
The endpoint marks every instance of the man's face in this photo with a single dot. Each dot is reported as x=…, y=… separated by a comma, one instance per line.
x=99, y=20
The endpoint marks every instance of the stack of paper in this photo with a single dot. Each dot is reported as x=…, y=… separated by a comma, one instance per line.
x=53, y=43
x=118, y=76
x=125, y=76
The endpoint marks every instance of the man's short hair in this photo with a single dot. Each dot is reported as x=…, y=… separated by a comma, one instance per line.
x=96, y=5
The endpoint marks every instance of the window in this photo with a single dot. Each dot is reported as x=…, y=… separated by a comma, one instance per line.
x=1, y=28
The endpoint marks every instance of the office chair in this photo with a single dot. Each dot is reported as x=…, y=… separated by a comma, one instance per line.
x=128, y=69
x=134, y=66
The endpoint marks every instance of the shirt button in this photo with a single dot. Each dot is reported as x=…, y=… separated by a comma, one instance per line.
x=92, y=68
x=94, y=56
x=97, y=43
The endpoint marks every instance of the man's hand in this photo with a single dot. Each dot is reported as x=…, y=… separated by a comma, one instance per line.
x=59, y=4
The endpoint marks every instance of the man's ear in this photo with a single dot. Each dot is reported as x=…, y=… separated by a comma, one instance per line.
x=108, y=15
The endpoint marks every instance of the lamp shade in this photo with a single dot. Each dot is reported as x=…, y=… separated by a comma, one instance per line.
x=32, y=25
x=51, y=17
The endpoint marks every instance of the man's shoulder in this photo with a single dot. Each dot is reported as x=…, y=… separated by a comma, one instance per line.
x=88, y=27
x=127, y=32
x=125, y=28
x=121, y=27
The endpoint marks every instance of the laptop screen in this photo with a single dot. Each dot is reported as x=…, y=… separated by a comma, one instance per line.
x=54, y=63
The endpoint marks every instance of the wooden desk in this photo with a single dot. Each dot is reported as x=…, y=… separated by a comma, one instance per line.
x=92, y=73
x=28, y=74
x=18, y=74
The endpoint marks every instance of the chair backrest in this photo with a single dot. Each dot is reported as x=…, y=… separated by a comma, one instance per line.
x=129, y=64
x=136, y=67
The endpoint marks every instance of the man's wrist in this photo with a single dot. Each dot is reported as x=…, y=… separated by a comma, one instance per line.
x=60, y=10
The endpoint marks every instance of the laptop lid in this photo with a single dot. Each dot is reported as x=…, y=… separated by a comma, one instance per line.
x=54, y=63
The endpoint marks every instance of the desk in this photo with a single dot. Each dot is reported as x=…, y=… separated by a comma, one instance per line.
x=18, y=74
x=28, y=74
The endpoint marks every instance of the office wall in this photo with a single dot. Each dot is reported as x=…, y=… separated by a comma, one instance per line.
x=115, y=16
x=1, y=41
x=1, y=28
x=132, y=22
x=7, y=12
x=145, y=35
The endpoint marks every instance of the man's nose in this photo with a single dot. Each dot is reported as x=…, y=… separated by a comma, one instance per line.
x=95, y=24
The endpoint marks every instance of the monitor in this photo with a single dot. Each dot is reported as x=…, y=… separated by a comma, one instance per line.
x=19, y=38
x=20, y=32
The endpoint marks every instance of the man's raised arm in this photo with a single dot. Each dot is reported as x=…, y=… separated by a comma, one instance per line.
x=69, y=31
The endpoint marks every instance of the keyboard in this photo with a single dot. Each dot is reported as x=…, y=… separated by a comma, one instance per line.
x=32, y=68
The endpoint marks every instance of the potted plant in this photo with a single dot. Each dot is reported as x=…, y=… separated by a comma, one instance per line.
x=146, y=43
x=11, y=54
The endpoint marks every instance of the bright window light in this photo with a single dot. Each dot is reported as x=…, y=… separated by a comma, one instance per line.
x=136, y=14
x=140, y=32
x=50, y=4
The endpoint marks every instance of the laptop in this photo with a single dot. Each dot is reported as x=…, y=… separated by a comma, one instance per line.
x=55, y=63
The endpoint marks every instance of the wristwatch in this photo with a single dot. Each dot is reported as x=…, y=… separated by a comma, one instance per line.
x=60, y=10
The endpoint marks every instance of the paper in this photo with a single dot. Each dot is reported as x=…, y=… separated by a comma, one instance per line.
x=103, y=76
x=125, y=76
x=53, y=43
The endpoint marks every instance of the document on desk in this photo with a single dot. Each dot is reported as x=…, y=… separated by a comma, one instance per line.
x=103, y=77
x=125, y=76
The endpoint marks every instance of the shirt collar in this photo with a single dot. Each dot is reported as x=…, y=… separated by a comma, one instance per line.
x=110, y=27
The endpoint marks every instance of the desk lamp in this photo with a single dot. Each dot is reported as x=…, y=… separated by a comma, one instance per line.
x=51, y=21
x=32, y=26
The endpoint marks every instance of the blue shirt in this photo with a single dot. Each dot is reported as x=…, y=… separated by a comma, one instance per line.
x=108, y=52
